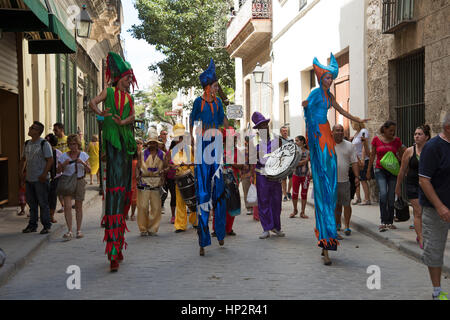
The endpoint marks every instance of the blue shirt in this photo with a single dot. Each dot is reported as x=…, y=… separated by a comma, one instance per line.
x=435, y=164
x=209, y=120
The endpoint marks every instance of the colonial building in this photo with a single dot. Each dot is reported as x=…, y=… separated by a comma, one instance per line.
x=48, y=72
x=408, y=64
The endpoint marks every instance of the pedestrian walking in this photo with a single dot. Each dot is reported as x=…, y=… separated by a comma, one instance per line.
x=120, y=145
x=170, y=180
x=346, y=157
x=410, y=167
x=434, y=191
x=285, y=186
x=301, y=177
x=386, y=142
x=323, y=155
x=54, y=176
x=73, y=162
x=150, y=165
x=37, y=160
x=361, y=142
x=94, y=158
x=269, y=192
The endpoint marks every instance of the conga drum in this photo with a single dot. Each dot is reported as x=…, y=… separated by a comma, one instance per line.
x=232, y=196
x=282, y=162
x=186, y=185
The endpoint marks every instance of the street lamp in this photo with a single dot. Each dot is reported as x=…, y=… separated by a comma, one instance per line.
x=258, y=73
x=84, y=24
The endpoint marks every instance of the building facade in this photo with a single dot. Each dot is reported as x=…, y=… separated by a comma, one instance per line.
x=48, y=73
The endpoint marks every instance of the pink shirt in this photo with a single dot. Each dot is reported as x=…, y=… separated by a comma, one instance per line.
x=383, y=148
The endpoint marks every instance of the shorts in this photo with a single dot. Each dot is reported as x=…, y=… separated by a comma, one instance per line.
x=363, y=171
x=435, y=232
x=296, y=182
x=343, y=194
x=412, y=191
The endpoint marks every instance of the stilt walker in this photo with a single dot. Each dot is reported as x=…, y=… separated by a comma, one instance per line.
x=208, y=110
x=120, y=145
x=323, y=155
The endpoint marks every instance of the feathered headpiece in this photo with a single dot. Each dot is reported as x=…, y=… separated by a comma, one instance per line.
x=321, y=70
x=117, y=68
x=209, y=75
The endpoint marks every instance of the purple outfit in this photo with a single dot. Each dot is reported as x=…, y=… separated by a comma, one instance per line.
x=269, y=192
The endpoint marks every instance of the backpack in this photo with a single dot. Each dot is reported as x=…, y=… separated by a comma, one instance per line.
x=53, y=169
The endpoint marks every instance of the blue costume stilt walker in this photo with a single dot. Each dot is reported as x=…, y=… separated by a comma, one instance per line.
x=208, y=110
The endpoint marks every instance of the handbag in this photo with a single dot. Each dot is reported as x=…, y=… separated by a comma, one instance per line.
x=67, y=185
x=401, y=210
x=252, y=196
x=390, y=163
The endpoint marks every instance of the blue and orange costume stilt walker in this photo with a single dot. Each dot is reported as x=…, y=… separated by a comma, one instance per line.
x=323, y=155
x=119, y=145
x=208, y=110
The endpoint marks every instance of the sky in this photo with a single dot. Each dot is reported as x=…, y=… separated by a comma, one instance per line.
x=138, y=52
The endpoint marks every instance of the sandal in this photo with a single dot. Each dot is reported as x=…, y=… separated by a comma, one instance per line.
x=79, y=235
x=293, y=214
x=348, y=231
x=303, y=215
x=68, y=236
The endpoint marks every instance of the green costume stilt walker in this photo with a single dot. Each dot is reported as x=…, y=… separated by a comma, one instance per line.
x=119, y=145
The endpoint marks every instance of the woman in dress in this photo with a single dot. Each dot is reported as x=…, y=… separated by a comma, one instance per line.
x=322, y=154
x=120, y=146
x=93, y=152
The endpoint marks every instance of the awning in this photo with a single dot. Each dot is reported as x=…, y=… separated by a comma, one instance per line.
x=42, y=22
x=23, y=15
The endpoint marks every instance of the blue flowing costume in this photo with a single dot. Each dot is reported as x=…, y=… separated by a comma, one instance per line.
x=323, y=158
x=209, y=176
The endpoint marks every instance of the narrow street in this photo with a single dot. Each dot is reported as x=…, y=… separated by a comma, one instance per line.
x=168, y=266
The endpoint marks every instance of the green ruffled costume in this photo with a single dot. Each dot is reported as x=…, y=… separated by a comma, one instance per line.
x=119, y=145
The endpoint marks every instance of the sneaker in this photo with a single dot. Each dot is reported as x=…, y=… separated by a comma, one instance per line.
x=285, y=199
x=278, y=233
x=442, y=296
x=265, y=235
x=29, y=230
x=144, y=234
x=382, y=228
x=45, y=231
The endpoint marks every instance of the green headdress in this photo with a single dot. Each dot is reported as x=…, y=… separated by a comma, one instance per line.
x=117, y=68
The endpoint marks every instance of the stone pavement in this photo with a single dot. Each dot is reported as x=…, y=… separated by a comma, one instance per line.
x=20, y=247
x=168, y=266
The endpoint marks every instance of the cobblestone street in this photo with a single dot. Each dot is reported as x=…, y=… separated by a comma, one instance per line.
x=168, y=266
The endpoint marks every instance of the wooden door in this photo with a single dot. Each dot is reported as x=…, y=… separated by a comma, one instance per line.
x=342, y=91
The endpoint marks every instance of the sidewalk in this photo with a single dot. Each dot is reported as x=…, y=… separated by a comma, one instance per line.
x=20, y=247
x=366, y=219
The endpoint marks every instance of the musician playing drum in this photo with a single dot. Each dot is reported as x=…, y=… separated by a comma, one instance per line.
x=269, y=191
x=182, y=159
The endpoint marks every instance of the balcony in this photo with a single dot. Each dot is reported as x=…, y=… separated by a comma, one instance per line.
x=397, y=14
x=251, y=26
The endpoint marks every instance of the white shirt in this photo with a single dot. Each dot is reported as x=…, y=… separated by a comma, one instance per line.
x=346, y=155
x=358, y=143
x=70, y=168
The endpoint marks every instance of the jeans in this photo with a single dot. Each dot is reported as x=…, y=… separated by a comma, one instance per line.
x=386, y=184
x=37, y=196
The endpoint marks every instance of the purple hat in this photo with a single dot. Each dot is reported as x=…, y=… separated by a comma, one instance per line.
x=258, y=119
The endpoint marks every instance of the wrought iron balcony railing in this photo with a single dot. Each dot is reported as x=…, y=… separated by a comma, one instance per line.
x=396, y=14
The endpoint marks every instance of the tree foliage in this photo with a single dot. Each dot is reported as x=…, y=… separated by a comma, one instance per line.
x=188, y=33
x=156, y=102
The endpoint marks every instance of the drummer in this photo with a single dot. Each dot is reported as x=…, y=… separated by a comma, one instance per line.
x=151, y=168
x=269, y=192
x=182, y=160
